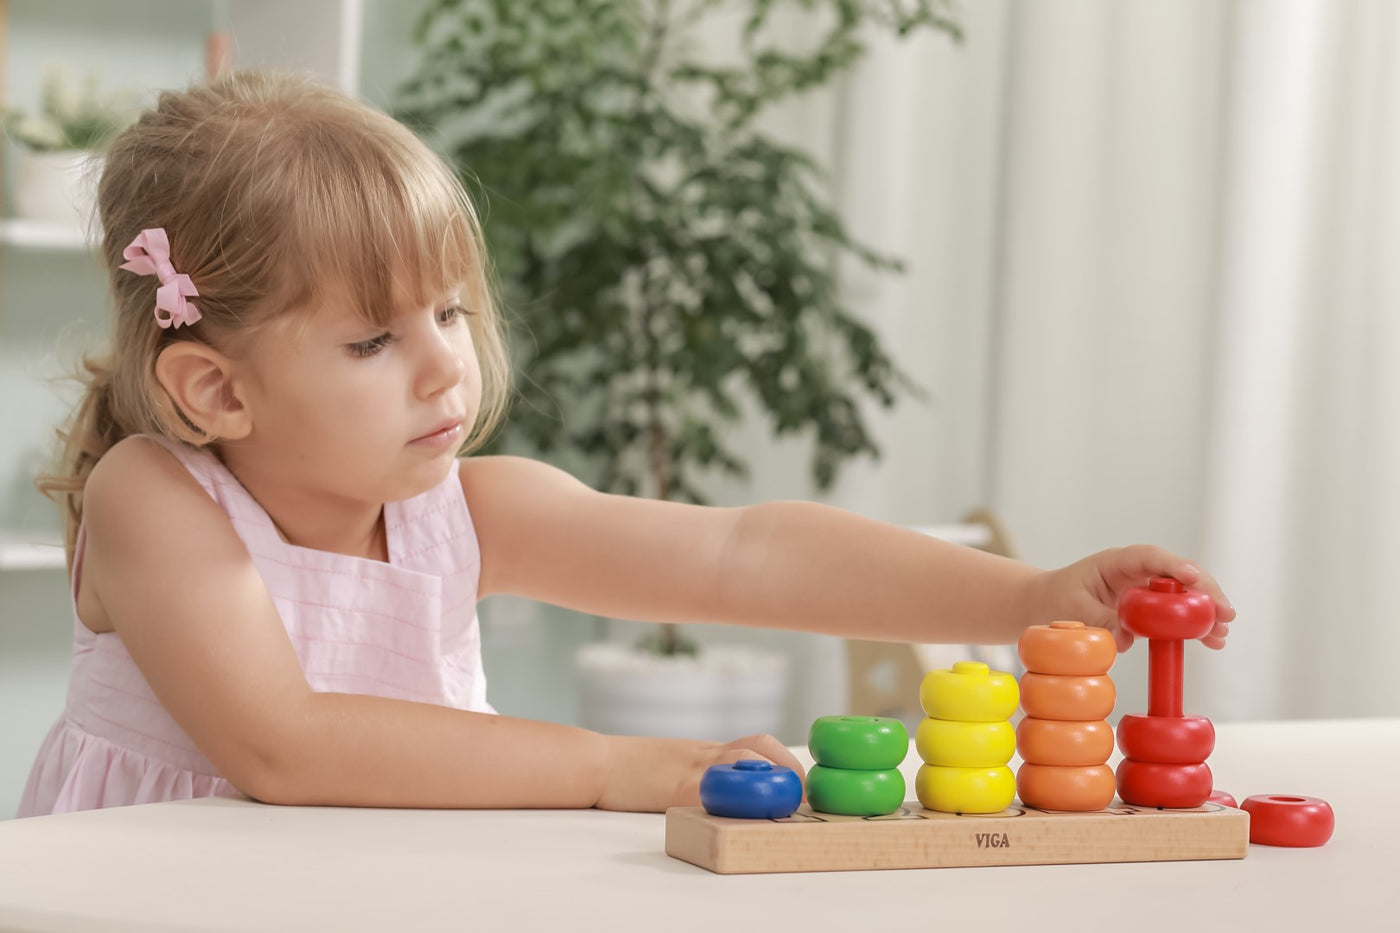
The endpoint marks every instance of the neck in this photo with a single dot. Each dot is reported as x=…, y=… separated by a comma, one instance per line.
x=314, y=518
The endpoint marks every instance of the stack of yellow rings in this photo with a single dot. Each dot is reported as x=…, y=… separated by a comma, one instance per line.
x=857, y=765
x=967, y=741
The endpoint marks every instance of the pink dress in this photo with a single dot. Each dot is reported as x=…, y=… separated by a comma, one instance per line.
x=405, y=629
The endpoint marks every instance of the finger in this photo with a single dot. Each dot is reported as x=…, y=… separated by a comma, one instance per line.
x=1224, y=610
x=1141, y=561
x=1137, y=563
x=771, y=750
x=1216, y=637
x=1101, y=616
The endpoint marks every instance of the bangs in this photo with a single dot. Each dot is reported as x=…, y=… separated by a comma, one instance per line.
x=382, y=222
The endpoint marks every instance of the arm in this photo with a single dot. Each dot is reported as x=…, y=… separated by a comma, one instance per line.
x=792, y=565
x=204, y=632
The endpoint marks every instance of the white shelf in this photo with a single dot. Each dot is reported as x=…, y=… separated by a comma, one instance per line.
x=31, y=551
x=33, y=234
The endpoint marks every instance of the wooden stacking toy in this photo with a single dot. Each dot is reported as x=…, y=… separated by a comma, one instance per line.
x=855, y=818
x=967, y=741
x=1164, y=752
x=1064, y=740
x=857, y=765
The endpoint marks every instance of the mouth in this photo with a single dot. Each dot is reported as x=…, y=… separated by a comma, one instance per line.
x=448, y=431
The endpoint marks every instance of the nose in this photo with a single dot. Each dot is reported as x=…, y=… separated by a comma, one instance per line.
x=441, y=366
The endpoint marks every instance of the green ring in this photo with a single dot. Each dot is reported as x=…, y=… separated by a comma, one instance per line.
x=854, y=793
x=858, y=743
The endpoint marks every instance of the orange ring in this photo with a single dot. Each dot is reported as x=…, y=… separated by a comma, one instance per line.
x=1047, y=787
x=1067, y=648
x=1065, y=744
x=1068, y=699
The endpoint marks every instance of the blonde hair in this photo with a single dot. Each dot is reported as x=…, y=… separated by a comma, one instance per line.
x=269, y=186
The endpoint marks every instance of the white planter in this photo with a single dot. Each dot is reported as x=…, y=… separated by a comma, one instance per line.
x=725, y=693
x=57, y=187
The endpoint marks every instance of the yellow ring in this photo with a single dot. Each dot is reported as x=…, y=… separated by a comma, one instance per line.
x=965, y=790
x=965, y=744
x=969, y=692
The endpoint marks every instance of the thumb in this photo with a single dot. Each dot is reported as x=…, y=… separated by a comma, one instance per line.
x=1106, y=618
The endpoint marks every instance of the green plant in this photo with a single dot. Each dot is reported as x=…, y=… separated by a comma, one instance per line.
x=70, y=117
x=667, y=258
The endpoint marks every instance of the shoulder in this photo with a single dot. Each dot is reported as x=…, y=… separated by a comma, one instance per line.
x=139, y=495
x=134, y=467
x=512, y=485
x=502, y=474
x=517, y=505
x=145, y=514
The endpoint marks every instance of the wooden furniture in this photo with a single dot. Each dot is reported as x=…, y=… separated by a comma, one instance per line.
x=233, y=866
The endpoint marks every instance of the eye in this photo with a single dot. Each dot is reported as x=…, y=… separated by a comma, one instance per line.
x=370, y=347
x=448, y=315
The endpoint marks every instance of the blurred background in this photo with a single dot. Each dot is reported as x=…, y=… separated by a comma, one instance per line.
x=1147, y=295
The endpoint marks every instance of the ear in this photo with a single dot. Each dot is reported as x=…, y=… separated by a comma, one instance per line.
x=199, y=379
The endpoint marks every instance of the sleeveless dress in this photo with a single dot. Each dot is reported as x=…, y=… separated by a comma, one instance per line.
x=405, y=629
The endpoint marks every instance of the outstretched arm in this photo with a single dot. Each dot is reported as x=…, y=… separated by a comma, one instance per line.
x=179, y=588
x=792, y=565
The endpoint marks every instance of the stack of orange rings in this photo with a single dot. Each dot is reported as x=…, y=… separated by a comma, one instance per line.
x=1065, y=740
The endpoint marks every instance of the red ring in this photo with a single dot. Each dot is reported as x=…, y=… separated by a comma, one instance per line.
x=1171, y=740
x=1223, y=798
x=1283, y=820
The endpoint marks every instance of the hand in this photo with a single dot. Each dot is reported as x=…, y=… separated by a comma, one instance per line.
x=1088, y=591
x=650, y=775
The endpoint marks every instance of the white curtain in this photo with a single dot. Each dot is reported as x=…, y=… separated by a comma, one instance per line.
x=1303, y=504
x=1152, y=289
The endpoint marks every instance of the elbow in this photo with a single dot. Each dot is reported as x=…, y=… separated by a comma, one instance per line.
x=270, y=786
x=273, y=769
x=264, y=781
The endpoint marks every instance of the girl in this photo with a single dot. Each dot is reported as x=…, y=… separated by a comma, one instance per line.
x=276, y=553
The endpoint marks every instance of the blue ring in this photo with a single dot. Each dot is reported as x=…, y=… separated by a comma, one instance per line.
x=750, y=790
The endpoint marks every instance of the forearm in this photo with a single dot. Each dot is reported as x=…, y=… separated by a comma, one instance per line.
x=359, y=751
x=349, y=750
x=800, y=565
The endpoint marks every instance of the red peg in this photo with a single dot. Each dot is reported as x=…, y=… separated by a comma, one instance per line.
x=1165, y=751
x=1166, y=613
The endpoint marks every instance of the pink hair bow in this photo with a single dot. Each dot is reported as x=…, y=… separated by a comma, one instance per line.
x=149, y=254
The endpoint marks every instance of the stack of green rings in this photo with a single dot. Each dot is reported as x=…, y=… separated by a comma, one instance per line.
x=857, y=765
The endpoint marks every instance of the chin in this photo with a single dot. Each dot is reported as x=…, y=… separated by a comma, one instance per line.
x=424, y=476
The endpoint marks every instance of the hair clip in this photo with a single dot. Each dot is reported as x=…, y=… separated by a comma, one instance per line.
x=149, y=254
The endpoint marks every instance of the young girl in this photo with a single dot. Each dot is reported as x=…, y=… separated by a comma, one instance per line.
x=276, y=553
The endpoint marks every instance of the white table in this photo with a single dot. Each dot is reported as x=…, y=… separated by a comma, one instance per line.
x=227, y=865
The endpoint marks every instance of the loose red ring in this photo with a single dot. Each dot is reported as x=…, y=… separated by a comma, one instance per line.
x=1283, y=820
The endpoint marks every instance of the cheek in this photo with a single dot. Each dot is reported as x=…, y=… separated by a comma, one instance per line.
x=471, y=376
x=311, y=400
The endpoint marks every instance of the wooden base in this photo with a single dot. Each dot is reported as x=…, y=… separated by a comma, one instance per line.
x=917, y=838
